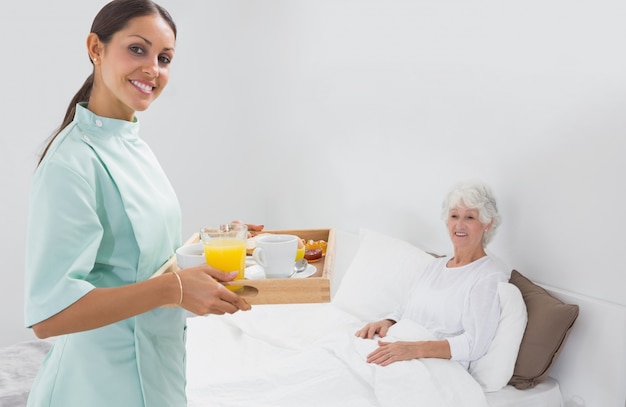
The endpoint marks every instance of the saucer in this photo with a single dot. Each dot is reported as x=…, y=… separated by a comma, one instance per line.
x=310, y=270
x=255, y=272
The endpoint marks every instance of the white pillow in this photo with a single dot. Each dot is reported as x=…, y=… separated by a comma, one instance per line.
x=379, y=276
x=494, y=370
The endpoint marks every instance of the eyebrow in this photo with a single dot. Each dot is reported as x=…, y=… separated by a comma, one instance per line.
x=150, y=42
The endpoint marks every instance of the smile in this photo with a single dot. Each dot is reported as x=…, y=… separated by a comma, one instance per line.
x=460, y=234
x=142, y=86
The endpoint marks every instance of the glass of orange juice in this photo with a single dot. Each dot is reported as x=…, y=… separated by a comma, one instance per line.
x=225, y=248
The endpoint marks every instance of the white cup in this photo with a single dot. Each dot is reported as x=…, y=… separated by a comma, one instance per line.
x=190, y=256
x=276, y=254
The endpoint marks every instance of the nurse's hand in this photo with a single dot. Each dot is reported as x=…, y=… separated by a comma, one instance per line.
x=203, y=294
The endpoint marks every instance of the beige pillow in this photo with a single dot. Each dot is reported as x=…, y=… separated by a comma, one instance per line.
x=549, y=324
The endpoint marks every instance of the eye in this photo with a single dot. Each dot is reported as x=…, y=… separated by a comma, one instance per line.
x=165, y=59
x=136, y=49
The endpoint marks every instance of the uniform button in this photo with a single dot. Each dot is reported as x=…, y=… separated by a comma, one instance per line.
x=86, y=138
x=99, y=123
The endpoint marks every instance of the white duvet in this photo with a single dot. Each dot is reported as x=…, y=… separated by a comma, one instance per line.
x=307, y=355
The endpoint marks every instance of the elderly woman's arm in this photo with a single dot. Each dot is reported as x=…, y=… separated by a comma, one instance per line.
x=480, y=320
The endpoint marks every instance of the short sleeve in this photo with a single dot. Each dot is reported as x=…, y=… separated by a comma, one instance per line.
x=63, y=237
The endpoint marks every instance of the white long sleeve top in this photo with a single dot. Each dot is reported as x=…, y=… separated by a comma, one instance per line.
x=459, y=304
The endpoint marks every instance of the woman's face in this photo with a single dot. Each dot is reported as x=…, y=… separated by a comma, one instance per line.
x=134, y=68
x=465, y=228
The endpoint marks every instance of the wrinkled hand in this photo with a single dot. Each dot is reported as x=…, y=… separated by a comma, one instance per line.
x=390, y=352
x=373, y=328
x=203, y=294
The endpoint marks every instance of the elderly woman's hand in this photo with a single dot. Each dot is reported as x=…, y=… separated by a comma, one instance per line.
x=390, y=352
x=373, y=328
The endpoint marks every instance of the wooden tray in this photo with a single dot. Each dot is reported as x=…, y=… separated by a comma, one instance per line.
x=312, y=289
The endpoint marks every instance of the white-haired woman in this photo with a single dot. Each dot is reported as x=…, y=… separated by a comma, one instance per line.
x=456, y=297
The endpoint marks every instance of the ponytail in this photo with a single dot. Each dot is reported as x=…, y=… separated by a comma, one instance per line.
x=82, y=95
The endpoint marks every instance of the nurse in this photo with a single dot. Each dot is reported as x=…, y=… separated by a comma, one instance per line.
x=103, y=218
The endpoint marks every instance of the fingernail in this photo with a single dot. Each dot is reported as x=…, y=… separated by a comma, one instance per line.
x=234, y=273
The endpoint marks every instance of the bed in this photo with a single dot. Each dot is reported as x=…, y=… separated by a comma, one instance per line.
x=307, y=354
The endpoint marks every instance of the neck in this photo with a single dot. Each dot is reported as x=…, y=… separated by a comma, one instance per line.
x=463, y=257
x=100, y=104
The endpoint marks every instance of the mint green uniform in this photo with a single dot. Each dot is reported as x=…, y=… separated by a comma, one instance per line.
x=103, y=214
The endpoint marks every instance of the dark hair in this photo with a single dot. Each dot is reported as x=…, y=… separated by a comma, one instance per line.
x=112, y=18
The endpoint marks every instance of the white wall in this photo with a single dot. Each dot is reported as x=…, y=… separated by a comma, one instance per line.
x=353, y=113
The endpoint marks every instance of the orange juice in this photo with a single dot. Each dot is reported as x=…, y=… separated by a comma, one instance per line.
x=226, y=254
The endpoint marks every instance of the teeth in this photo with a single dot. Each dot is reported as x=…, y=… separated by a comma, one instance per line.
x=145, y=88
x=461, y=234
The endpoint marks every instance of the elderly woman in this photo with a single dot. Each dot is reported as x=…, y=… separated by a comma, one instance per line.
x=456, y=296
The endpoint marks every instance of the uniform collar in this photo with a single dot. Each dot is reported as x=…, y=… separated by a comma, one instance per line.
x=99, y=125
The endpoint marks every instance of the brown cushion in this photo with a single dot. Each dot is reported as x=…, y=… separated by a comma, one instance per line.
x=549, y=324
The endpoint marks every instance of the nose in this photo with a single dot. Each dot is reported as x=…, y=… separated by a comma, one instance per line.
x=457, y=224
x=152, y=68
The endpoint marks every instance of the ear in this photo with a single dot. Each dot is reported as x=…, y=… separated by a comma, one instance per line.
x=94, y=47
x=488, y=225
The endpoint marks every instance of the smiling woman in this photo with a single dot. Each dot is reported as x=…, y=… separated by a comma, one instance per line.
x=142, y=35
x=103, y=218
x=456, y=297
x=472, y=217
x=133, y=66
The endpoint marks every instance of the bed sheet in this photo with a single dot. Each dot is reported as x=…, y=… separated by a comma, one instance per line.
x=307, y=355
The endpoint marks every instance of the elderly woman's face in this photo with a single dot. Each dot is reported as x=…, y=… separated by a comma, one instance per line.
x=465, y=228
